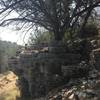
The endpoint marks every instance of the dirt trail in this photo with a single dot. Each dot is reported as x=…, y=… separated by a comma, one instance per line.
x=8, y=86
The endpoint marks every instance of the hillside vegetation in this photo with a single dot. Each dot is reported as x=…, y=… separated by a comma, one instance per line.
x=7, y=50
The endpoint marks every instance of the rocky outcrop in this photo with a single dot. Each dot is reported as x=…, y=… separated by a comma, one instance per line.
x=80, y=89
x=76, y=71
x=42, y=69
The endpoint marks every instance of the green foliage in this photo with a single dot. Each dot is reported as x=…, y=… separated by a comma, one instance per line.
x=40, y=37
x=7, y=49
x=68, y=35
x=90, y=30
x=2, y=51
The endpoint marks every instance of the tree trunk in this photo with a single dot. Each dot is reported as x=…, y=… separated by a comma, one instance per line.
x=58, y=36
x=57, y=45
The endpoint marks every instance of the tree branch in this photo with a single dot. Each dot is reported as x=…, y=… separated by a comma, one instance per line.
x=11, y=6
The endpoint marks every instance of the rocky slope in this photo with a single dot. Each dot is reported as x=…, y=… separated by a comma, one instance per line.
x=80, y=89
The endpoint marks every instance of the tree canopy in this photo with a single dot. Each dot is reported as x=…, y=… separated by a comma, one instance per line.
x=40, y=37
x=56, y=16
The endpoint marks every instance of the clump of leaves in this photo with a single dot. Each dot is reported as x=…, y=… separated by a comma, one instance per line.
x=90, y=30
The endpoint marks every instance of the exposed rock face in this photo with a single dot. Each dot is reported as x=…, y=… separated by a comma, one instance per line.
x=42, y=69
x=76, y=71
x=85, y=89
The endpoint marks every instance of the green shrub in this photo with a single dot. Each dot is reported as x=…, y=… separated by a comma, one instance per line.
x=90, y=30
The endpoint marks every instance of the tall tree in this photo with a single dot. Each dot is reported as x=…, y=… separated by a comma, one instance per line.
x=54, y=15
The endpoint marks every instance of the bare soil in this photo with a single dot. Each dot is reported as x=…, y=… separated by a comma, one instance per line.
x=8, y=88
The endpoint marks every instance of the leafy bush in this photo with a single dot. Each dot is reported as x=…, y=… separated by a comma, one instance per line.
x=40, y=37
x=90, y=30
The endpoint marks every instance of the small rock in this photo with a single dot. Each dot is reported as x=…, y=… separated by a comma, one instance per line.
x=59, y=97
x=71, y=97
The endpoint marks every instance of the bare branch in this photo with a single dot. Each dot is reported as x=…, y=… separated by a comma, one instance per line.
x=54, y=15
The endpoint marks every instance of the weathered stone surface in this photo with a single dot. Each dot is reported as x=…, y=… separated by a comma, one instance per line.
x=84, y=90
x=42, y=70
x=76, y=71
x=57, y=47
x=47, y=68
